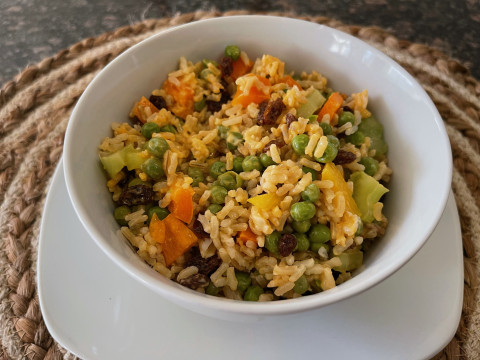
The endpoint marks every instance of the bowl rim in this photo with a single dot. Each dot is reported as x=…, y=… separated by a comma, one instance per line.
x=186, y=297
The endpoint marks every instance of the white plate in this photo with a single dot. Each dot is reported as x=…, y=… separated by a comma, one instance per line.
x=97, y=311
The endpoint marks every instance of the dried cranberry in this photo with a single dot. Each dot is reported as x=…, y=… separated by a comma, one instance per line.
x=286, y=244
x=136, y=195
x=158, y=101
x=344, y=157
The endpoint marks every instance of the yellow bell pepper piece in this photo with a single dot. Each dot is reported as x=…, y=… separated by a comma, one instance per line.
x=265, y=201
x=330, y=172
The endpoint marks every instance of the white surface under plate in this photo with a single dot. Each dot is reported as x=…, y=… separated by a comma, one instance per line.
x=97, y=311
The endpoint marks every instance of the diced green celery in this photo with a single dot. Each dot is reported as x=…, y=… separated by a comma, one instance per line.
x=351, y=260
x=113, y=163
x=133, y=158
x=366, y=192
x=314, y=102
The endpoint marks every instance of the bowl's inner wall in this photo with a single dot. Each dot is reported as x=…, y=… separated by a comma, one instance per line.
x=410, y=121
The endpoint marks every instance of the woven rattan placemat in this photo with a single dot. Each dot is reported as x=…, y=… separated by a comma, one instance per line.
x=34, y=111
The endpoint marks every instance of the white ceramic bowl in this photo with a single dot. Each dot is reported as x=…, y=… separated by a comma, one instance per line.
x=419, y=152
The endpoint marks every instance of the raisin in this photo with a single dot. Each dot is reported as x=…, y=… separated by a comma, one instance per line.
x=205, y=266
x=286, y=244
x=279, y=144
x=347, y=108
x=158, y=101
x=136, y=195
x=195, y=281
x=344, y=157
x=290, y=118
x=268, y=114
x=226, y=66
x=198, y=230
x=214, y=106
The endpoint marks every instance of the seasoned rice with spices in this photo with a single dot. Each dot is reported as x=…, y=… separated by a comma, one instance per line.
x=240, y=179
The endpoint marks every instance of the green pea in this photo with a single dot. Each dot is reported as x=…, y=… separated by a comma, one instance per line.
x=205, y=73
x=168, y=128
x=208, y=61
x=253, y=293
x=237, y=164
x=232, y=51
x=301, y=226
x=301, y=285
x=215, y=208
x=379, y=145
x=196, y=174
x=222, y=131
x=303, y=210
x=217, y=168
x=218, y=194
x=266, y=160
x=233, y=140
x=299, y=143
x=357, y=138
x=212, y=289
x=331, y=150
x=137, y=181
x=230, y=180
x=319, y=233
x=251, y=163
x=316, y=286
x=162, y=213
x=302, y=242
x=157, y=146
x=271, y=242
x=346, y=117
x=244, y=280
x=311, y=193
x=119, y=215
x=371, y=165
x=287, y=229
x=153, y=167
x=327, y=129
x=316, y=246
x=199, y=105
x=149, y=128
x=311, y=171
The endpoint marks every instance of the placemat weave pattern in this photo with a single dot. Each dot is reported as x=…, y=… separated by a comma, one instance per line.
x=34, y=111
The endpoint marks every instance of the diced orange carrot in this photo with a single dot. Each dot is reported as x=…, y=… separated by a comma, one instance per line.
x=331, y=106
x=178, y=239
x=240, y=68
x=182, y=96
x=157, y=229
x=181, y=205
x=254, y=96
x=246, y=235
x=139, y=109
x=330, y=172
x=290, y=82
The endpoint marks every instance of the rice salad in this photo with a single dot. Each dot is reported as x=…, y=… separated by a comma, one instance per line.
x=239, y=179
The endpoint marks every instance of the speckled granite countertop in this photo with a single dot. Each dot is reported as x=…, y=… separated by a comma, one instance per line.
x=32, y=30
